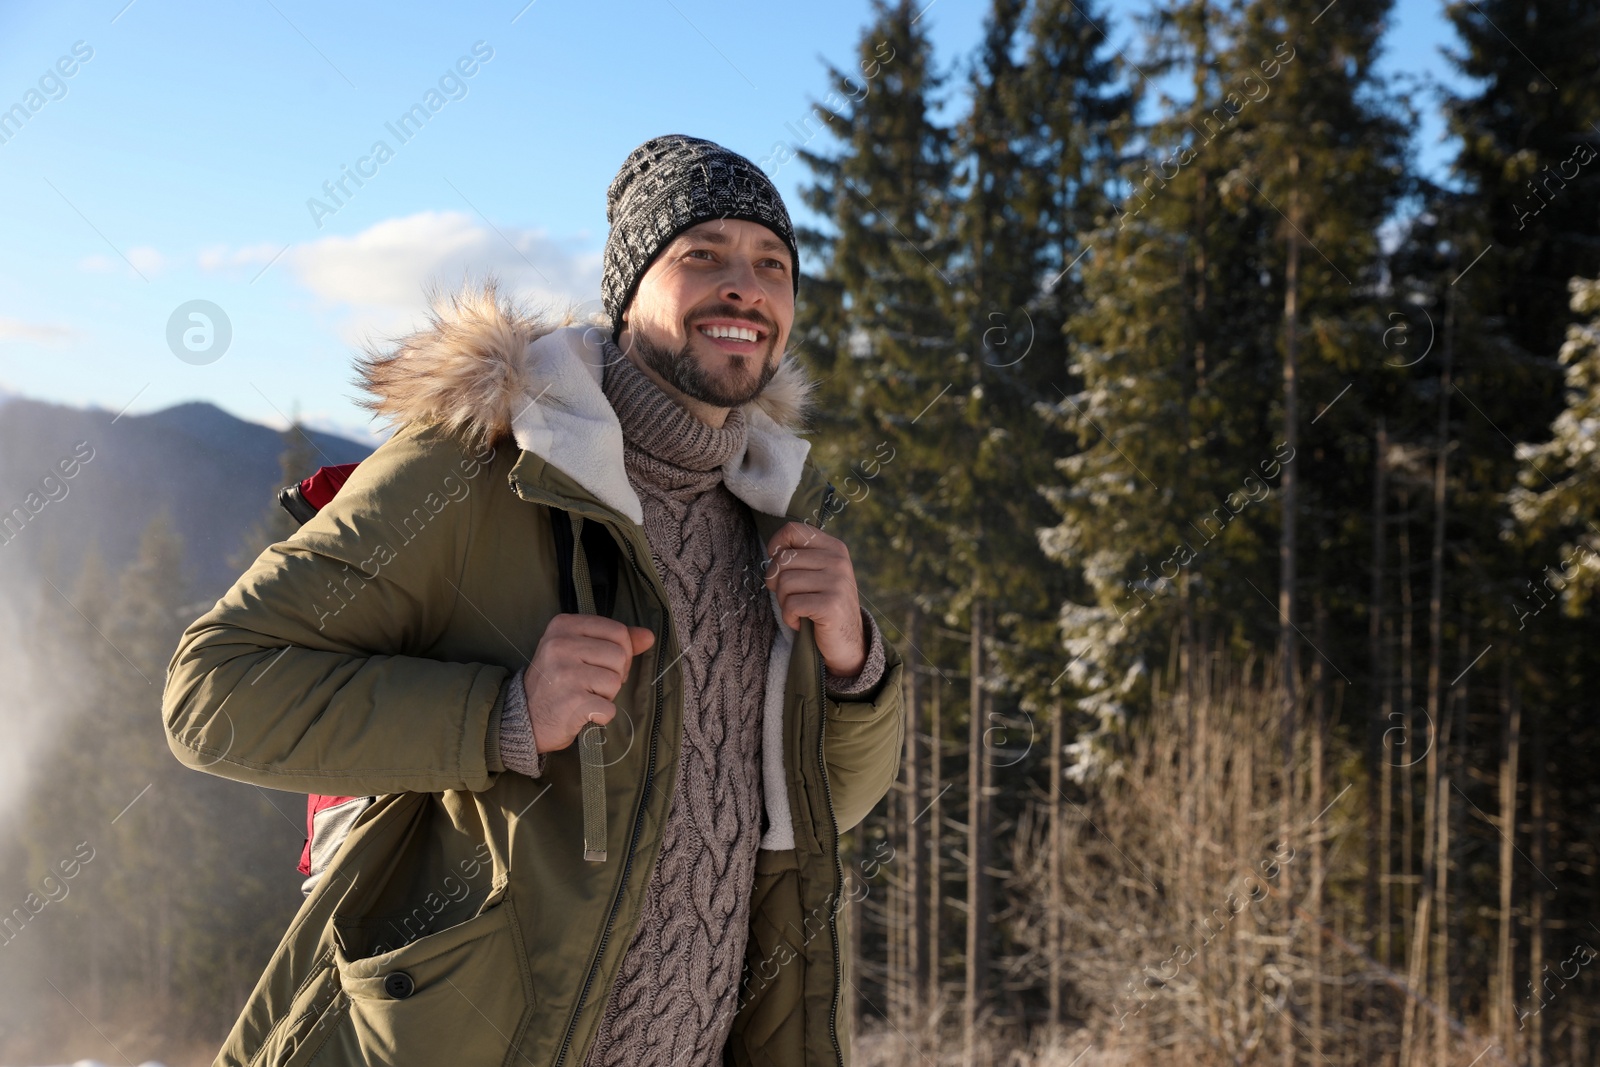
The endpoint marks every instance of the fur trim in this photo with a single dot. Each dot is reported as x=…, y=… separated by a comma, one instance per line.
x=787, y=399
x=467, y=371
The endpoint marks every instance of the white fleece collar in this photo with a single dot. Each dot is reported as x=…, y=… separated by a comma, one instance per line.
x=571, y=425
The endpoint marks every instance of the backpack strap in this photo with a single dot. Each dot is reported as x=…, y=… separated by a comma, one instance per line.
x=599, y=553
x=592, y=739
x=581, y=587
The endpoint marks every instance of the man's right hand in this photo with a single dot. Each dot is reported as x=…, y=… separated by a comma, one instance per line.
x=576, y=673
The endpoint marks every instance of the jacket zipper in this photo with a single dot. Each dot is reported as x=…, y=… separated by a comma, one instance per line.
x=838, y=869
x=638, y=820
x=833, y=828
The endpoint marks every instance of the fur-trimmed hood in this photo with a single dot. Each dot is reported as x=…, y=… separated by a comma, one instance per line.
x=489, y=369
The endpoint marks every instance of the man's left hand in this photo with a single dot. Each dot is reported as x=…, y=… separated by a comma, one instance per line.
x=811, y=575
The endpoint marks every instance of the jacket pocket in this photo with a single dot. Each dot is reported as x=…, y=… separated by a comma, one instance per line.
x=461, y=995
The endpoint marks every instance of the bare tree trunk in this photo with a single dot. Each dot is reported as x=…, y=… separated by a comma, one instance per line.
x=1441, y=948
x=977, y=844
x=1505, y=962
x=913, y=871
x=894, y=910
x=1437, y=827
x=1408, y=792
x=1056, y=949
x=1416, y=956
x=1431, y=811
x=1291, y=435
x=1371, y=1011
x=1287, y=648
x=1377, y=779
x=1457, y=749
x=936, y=787
x=1314, y=903
x=1535, y=1035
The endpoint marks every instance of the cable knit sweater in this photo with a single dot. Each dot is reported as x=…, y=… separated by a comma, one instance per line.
x=676, y=993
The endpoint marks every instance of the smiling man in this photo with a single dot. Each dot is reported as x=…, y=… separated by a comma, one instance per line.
x=614, y=523
x=701, y=274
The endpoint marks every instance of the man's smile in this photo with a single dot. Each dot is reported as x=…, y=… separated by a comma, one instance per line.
x=732, y=335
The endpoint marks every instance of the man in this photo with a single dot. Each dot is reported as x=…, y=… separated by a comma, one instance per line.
x=410, y=643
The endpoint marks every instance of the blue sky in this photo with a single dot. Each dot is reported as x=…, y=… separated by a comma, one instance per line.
x=175, y=164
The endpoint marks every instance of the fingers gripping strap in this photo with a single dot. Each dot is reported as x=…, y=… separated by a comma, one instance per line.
x=591, y=741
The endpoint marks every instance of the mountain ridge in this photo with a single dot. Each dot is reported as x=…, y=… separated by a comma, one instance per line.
x=215, y=474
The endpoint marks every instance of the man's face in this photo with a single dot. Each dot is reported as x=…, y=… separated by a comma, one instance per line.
x=715, y=278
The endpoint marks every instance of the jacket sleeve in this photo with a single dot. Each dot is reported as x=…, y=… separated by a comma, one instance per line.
x=311, y=673
x=861, y=743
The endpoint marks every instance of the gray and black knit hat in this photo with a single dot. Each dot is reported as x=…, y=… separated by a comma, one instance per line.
x=668, y=184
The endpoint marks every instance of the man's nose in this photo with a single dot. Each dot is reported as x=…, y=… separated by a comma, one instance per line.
x=739, y=285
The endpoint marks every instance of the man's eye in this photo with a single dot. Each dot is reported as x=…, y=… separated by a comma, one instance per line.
x=775, y=262
x=698, y=252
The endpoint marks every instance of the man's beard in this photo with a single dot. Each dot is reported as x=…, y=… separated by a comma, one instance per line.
x=683, y=372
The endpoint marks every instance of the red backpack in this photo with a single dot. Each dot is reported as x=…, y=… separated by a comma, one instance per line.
x=303, y=500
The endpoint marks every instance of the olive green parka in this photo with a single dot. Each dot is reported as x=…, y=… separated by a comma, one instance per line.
x=459, y=922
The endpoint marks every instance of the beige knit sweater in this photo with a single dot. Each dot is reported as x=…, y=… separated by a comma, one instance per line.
x=677, y=990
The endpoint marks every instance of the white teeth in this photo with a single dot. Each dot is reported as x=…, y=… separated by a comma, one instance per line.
x=737, y=333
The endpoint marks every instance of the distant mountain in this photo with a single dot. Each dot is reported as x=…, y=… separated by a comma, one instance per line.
x=373, y=435
x=216, y=475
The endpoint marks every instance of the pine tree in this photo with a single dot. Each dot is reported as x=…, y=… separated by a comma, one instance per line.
x=1166, y=392
x=1559, y=488
x=886, y=352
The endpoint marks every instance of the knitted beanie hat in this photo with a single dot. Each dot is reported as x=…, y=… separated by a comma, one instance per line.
x=668, y=184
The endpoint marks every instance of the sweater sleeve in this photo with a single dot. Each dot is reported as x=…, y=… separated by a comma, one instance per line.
x=871, y=673
x=517, y=749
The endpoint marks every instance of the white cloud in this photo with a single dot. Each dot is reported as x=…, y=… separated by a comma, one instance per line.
x=389, y=263
x=379, y=276
x=42, y=333
x=142, y=258
x=220, y=258
x=146, y=260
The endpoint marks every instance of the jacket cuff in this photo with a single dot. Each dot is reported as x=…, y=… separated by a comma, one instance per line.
x=517, y=749
x=491, y=741
x=871, y=673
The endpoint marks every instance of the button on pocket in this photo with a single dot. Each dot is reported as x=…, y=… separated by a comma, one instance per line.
x=412, y=1004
